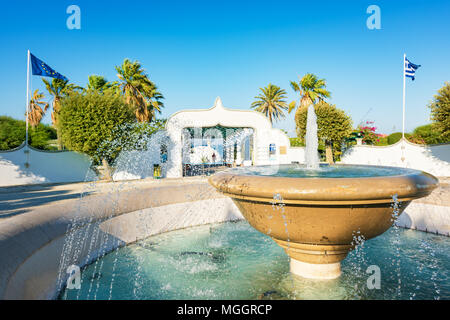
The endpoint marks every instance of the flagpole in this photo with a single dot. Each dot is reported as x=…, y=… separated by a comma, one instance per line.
x=28, y=96
x=404, y=89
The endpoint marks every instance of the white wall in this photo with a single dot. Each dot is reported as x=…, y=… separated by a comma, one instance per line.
x=431, y=159
x=426, y=217
x=44, y=167
x=296, y=154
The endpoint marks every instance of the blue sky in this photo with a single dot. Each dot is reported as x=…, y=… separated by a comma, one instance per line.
x=197, y=50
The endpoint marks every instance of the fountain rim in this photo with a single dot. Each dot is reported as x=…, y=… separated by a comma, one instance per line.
x=408, y=186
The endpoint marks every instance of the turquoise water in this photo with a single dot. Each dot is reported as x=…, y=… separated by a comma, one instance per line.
x=234, y=261
x=324, y=171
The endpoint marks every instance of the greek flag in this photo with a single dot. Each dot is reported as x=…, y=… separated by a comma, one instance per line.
x=410, y=69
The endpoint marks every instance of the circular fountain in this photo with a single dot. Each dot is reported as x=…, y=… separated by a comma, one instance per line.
x=315, y=214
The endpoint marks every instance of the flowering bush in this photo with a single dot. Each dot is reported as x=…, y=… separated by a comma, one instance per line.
x=367, y=133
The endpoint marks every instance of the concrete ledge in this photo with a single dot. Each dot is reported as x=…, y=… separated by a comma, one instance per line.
x=141, y=224
x=430, y=214
x=426, y=217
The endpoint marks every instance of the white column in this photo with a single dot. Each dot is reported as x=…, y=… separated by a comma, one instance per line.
x=238, y=154
x=229, y=153
x=174, y=161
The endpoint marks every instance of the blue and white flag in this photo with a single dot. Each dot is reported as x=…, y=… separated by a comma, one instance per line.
x=410, y=69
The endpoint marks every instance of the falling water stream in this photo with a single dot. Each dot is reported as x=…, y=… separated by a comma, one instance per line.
x=312, y=142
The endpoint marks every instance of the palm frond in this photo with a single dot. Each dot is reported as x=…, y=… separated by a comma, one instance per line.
x=292, y=106
x=139, y=91
x=311, y=89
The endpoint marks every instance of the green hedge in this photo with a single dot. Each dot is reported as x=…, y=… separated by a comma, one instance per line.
x=12, y=134
x=296, y=142
x=429, y=134
x=396, y=136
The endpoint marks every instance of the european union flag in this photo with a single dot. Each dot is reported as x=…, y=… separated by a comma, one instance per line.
x=39, y=68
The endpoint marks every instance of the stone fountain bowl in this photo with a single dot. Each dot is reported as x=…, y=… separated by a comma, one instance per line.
x=316, y=215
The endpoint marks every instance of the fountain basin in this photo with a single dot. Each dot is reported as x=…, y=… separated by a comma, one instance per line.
x=234, y=261
x=316, y=215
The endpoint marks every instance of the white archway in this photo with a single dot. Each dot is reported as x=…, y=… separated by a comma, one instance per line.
x=264, y=135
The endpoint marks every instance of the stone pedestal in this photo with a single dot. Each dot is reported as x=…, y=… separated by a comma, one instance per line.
x=315, y=271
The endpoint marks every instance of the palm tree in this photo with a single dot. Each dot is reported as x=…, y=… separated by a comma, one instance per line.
x=35, y=112
x=311, y=89
x=100, y=84
x=271, y=102
x=140, y=93
x=58, y=88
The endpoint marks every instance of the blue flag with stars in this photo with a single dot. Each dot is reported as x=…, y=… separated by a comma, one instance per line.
x=39, y=68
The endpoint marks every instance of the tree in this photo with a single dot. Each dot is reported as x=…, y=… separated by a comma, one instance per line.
x=333, y=126
x=12, y=134
x=428, y=135
x=271, y=102
x=310, y=89
x=425, y=134
x=297, y=142
x=130, y=136
x=140, y=93
x=58, y=88
x=35, y=112
x=87, y=121
x=99, y=83
x=440, y=112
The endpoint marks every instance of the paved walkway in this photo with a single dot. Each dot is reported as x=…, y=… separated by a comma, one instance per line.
x=440, y=196
x=20, y=199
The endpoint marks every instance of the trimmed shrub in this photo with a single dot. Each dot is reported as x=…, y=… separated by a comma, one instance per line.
x=396, y=136
x=88, y=121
